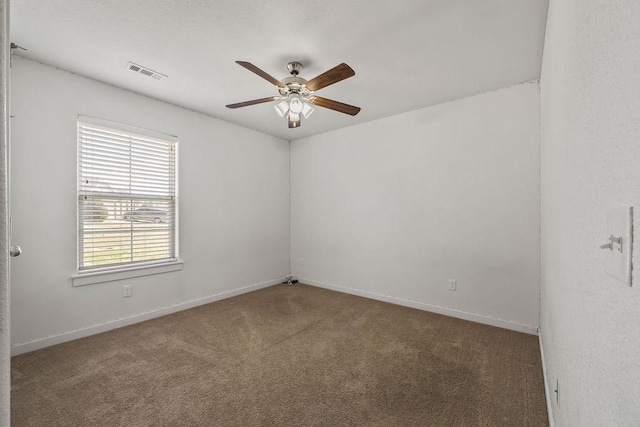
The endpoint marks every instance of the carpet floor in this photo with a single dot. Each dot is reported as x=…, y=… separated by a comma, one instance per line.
x=286, y=356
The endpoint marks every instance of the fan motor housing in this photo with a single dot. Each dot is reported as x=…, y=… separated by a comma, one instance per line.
x=294, y=84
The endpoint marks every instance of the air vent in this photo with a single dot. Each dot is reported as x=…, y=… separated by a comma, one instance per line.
x=146, y=71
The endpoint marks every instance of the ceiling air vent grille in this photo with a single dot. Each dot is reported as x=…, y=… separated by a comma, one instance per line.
x=146, y=71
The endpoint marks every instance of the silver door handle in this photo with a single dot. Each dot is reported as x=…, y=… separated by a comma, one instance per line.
x=15, y=251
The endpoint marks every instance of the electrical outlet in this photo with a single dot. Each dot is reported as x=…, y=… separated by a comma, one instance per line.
x=453, y=284
x=126, y=291
x=301, y=262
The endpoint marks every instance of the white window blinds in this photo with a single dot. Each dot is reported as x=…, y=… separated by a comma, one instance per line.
x=126, y=196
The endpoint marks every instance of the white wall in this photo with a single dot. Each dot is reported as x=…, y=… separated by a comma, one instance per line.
x=393, y=208
x=234, y=206
x=590, y=144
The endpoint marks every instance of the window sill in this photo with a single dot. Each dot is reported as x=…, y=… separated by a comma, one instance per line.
x=92, y=278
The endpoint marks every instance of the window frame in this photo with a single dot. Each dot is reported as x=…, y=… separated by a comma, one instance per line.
x=121, y=271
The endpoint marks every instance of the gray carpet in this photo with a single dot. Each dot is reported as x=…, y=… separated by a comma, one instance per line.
x=286, y=356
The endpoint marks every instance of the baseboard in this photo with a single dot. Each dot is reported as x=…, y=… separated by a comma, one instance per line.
x=474, y=317
x=37, y=344
x=547, y=390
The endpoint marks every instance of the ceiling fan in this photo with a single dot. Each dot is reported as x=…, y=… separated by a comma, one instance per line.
x=297, y=94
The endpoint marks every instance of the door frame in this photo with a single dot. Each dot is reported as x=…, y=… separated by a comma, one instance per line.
x=5, y=341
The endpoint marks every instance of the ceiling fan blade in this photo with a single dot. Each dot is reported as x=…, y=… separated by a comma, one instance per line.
x=252, y=102
x=334, y=75
x=249, y=66
x=335, y=105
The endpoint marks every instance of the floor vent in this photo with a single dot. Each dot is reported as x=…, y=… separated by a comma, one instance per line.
x=146, y=71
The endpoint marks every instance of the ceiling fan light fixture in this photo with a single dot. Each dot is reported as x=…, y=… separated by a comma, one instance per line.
x=294, y=120
x=296, y=105
x=307, y=110
x=282, y=107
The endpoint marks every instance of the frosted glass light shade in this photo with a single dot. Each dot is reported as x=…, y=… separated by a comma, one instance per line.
x=307, y=110
x=296, y=106
x=294, y=120
x=282, y=108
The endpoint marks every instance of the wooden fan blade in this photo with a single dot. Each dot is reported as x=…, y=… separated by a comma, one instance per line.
x=252, y=102
x=335, y=105
x=249, y=66
x=334, y=75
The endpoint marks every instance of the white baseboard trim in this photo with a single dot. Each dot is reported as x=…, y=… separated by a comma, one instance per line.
x=547, y=390
x=452, y=312
x=37, y=344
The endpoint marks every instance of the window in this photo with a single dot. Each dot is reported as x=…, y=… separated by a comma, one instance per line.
x=126, y=196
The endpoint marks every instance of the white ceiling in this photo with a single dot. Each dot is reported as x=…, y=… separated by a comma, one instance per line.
x=407, y=54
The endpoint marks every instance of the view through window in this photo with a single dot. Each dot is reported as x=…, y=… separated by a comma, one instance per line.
x=126, y=196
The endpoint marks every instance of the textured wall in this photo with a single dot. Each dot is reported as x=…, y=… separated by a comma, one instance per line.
x=395, y=207
x=590, y=156
x=233, y=204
